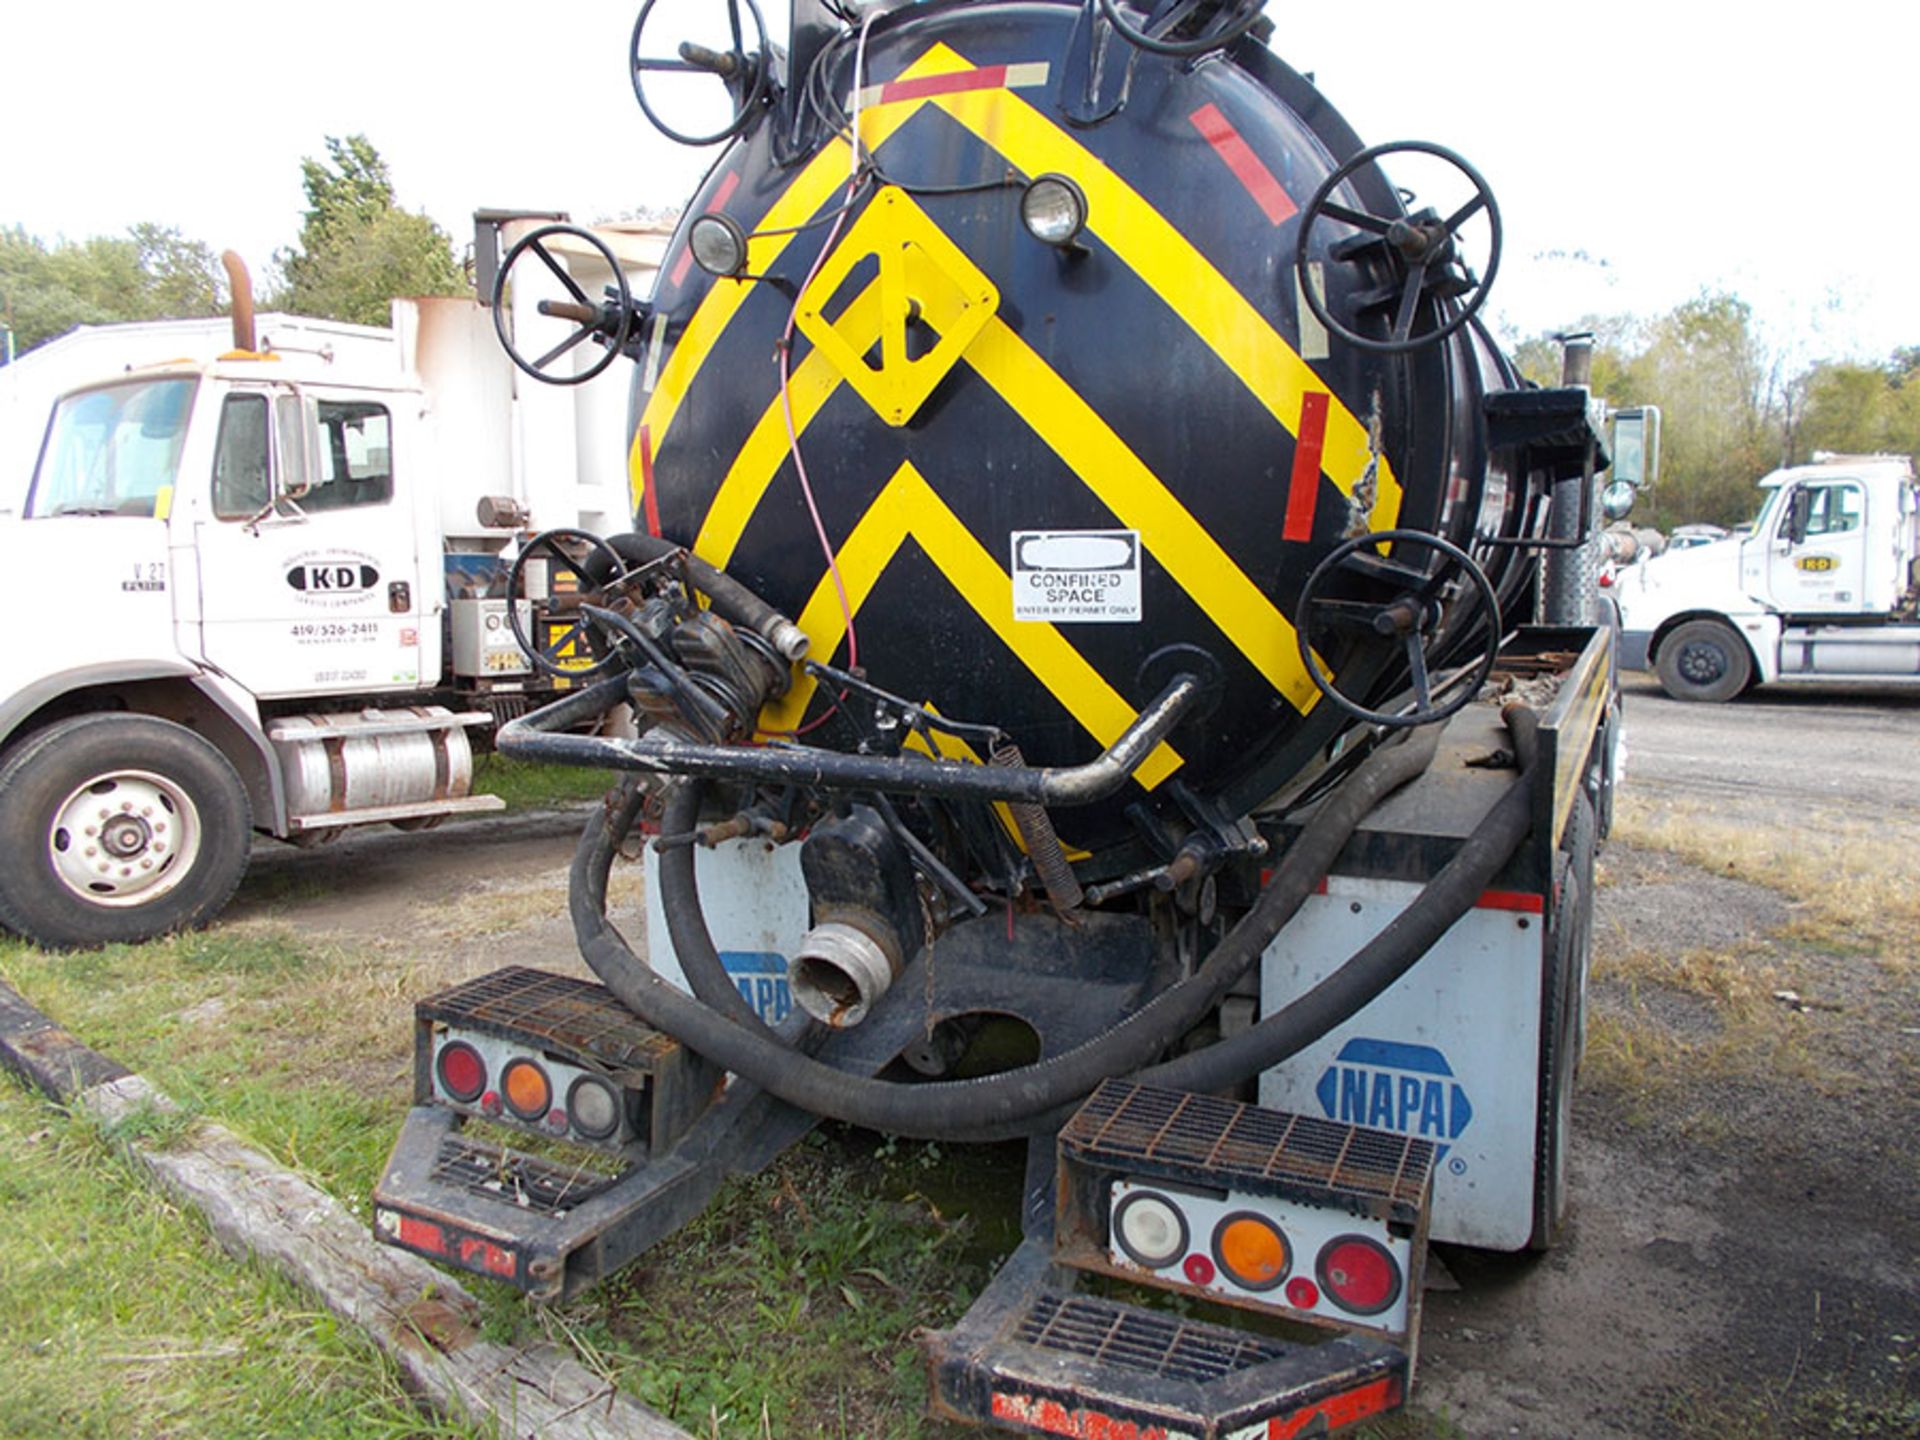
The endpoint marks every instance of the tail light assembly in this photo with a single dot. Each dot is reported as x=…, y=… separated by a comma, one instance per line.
x=1313, y=1220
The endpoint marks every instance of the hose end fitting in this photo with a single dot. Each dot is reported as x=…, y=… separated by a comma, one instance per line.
x=789, y=639
x=839, y=973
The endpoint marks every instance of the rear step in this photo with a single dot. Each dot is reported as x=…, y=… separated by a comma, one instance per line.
x=1032, y=1356
x=1303, y=1220
x=617, y=1092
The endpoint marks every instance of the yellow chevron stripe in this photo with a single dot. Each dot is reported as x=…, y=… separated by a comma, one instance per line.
x=824, y=176
x=1169, y=264
x=908, y=509
x=1084, y=442
x=812, y=385
x=1105, y=464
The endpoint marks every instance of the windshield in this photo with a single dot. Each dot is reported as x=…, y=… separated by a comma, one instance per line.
x=112, y=451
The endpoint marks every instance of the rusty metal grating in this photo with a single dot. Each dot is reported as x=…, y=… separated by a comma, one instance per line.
x=564, y=1012
x=522, y=1180
x=1143, y=1341
x=1124, y=1123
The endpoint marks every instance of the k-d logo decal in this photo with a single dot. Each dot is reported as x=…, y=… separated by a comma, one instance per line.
x=335, y=577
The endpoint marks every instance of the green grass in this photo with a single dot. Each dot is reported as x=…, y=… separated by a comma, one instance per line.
x=528, y=786
x=120, y=1317
x=795, y=1294
x=789, y=1307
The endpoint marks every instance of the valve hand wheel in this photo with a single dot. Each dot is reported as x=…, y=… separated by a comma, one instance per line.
x=746, y=73
x=1389, y=598
x=580, y=566
x=1426, y=245
x=1168, y=14
x=607, y=323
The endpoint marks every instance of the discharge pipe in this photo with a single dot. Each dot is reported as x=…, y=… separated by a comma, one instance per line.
x=657, y=752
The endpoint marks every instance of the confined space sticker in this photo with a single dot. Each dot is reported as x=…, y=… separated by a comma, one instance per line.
x=1076, y=575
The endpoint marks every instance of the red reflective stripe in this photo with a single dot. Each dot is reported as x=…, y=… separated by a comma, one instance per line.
x=1303, y=489
x=990, y=77
x=1248, y=168
x=648, y=500
x=1079, y=1423
x=720, y=198
x=422, y=1235
x=1513, y=900
x=1338, y=1410
x=485, y=1255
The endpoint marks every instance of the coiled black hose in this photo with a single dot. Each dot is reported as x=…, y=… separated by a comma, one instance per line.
x=1021, y=1100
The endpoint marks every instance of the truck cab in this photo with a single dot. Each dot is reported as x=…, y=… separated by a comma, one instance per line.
x=272, y=585
x=1821, y=587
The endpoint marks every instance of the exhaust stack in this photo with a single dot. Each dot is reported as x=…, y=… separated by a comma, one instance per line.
x=240, y=283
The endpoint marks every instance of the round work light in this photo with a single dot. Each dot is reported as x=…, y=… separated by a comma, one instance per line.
x=719, y=245
x=1054, y=210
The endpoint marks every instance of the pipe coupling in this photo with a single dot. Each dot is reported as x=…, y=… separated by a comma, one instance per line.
x=839, y=973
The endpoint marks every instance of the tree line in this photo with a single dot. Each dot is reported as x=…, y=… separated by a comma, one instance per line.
x=1731, y=409
x=357, y=249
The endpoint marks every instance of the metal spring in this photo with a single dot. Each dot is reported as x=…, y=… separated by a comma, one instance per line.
x=1042, y=842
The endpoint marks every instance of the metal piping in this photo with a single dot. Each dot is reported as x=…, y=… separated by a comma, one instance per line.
x=657, y=752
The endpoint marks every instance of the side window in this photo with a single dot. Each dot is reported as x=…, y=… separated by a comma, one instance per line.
x=1836, y=510
x=355, y=465
x=241, y=488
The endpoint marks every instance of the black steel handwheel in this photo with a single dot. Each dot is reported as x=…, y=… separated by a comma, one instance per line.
x=590, y=562
x=1390, y=599
x=1157, y=44
x=695, y=59
x=608, y=323
x=1426, y=247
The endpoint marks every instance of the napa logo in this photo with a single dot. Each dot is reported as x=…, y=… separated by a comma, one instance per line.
x=761, y=978
x=1388, y=1085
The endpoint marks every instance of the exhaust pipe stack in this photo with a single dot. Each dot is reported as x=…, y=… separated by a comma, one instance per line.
x=240, y=284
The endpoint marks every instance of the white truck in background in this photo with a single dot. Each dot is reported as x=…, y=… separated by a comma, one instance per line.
x=261, y=583
x=1823, y=587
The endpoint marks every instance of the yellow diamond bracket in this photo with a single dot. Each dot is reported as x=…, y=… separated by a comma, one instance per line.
x=926, y=281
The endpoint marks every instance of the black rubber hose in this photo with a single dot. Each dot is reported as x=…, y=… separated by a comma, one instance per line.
x=735, y=602
x=991, y=1107
x=706, y=973
x=1385, y=958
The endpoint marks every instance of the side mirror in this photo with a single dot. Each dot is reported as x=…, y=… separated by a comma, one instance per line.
x=1799, y=514
x=1635, y=443
x=293, y=440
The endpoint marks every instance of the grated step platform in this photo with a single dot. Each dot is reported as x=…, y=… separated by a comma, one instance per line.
x=1033, y=1356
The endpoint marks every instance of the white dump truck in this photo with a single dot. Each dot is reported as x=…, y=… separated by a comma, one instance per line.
x=271, y=580
x=1822, y=587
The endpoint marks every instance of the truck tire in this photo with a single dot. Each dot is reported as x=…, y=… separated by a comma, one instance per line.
x=1704, y=660
x=118, y=828
x=1563, y=1029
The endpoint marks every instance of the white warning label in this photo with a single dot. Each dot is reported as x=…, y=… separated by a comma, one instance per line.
x=1076, y=575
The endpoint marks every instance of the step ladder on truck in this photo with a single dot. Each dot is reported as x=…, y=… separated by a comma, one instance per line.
x=1262, y=785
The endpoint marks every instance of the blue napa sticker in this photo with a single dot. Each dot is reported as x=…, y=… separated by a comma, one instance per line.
x=1390, y=1085
x=761, y=978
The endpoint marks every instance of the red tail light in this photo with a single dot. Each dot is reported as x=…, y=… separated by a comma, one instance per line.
x=463, y=1074
x=1358, y=1274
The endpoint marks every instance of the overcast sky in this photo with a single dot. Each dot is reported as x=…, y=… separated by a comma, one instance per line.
x=1637, y=159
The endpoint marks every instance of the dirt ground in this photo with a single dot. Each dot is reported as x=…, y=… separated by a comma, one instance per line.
x=1742, y=1257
